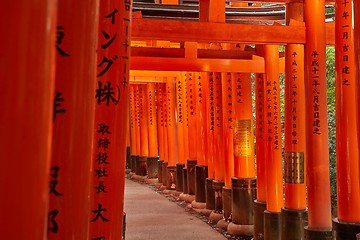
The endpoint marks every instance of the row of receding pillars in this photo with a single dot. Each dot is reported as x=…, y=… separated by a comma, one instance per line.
x=202, y=126
x=64, y=108
x=64, y=69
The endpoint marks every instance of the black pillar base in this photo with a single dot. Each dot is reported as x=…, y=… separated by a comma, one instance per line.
x=243, y=196
x=226, y=202
x=185, y=180
x=160, y=165
x=179, y=177
x=259, y=208
x=128, y=157
x=191, y=176
x=345, y=230
x=272, y=225
x=210, y=194
x=201, y=173
x=318, y=234
x=217, y=186
x=141, y=166
x=152, y=167
x=133, y=163
x=293, y=223
x=170, y=182
x=163, y=172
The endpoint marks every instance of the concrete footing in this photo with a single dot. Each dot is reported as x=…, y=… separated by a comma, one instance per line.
x=318, y=234
x=222, y=224
x=198, y=205
x=215, y=217
x=240, y=230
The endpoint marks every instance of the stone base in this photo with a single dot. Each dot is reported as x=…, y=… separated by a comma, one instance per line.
x=162, y=188
x=345, y=230
x=168, y=191
x=177, y=193
x=215, y=217
x=131, y=174
x=151, y=181
x=158, y=185
x=222, y=224
x=318, y=234
x=240, y=230
x=138, y=178
x=206, y=212
x=198, y=205
x=186, y=197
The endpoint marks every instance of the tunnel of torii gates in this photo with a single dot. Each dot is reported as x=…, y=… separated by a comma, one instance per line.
x=180, y=108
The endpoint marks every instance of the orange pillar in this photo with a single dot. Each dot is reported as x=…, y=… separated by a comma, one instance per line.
x=200, y=116
x=273, y=159
x=144, y=133
x=137, y=124
x=152, y=161
x=228, y=116
x=171, y=122
x=171, y=134
x=160, y=120
x=210, y=125
x=201, y=168
x=295, y=139
x=165, y=132
x=180, y=94
x=27, y=98
x=347, y=224
x=74, y=104
x=219, y=181
x=244, y=182
x=111, y=120
x=260, y=202
x=317, y=155
x=133, y=126
x=243, y=127
x=357, y=62
x=191, y=98
x=192, y=139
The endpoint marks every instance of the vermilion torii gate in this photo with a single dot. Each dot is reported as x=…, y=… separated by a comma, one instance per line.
x=65, y=97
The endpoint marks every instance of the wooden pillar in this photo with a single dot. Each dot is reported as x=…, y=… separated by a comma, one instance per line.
x=347, y=224
x=294, y=214
x=133, y=135
x=73, y=120
x=210, y=125
x=137, y=118
x=243, y=126
x=200, y=112
x=273, y=159
x=261, y=129
x=165, y=114
x=144, y=133
x=180, y=95
x=111, y=121
x=357, y=63
x=27, y=97
x=160, y=119
x=317, y=155
x=152, y=123
x=191, y=99
x=171, y=122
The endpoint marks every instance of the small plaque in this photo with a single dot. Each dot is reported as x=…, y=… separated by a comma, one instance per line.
x=294, y=167
x=242, y=138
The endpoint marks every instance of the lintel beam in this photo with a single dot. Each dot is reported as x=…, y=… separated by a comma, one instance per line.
x=176, y=30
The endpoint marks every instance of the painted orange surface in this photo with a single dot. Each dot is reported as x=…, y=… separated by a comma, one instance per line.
x=111, y=121
x=295, y=138
x=171, y=122
x=27, y=97
x=218, y=130
x=152, y=123
x=243, y=126
x=260, y=137
x=191, y=103
x=347, y=152
x=200, y=93
x=317, y=155
x=160, y=119
x=273, y=158
x=210, y=124
x=73, y=120
x=227, y=118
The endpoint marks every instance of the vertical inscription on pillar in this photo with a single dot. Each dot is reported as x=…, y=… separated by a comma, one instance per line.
x=242, y=137
x=294, y=167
